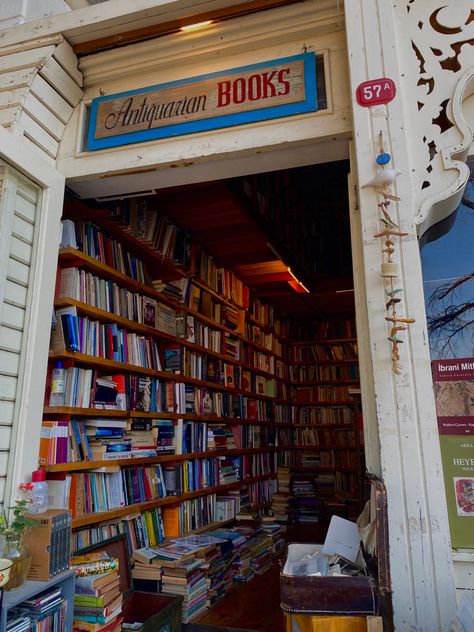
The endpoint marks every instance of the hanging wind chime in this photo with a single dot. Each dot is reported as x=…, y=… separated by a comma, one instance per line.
x=389, y=268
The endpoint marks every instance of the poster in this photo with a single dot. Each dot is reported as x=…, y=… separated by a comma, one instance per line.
x=448, y=271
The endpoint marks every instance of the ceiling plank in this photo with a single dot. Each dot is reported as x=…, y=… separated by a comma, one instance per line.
x=165, y=28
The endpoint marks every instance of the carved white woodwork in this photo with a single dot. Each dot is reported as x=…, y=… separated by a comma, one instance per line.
x=40, y=86
x=436, y=47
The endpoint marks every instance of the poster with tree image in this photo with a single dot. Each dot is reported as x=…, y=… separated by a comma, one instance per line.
x=448, y=272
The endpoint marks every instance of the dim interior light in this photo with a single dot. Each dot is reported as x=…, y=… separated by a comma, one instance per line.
x=198, y=25
x=296, y=284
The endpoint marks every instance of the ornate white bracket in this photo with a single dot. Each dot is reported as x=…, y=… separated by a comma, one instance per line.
x=439, y=206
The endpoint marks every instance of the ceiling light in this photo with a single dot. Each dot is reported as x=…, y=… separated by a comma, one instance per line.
x=194, y=27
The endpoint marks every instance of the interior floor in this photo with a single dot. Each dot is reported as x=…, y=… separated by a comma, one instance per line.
x=255, y=605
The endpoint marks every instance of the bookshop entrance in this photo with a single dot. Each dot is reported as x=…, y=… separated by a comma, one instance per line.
x=207, y=339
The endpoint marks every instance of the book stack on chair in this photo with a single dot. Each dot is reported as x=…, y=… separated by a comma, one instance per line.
x=97, y=598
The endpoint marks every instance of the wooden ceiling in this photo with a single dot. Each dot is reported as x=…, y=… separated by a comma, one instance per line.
x=234, y=233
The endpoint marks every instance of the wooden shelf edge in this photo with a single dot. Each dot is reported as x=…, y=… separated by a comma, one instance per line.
x=77, y=466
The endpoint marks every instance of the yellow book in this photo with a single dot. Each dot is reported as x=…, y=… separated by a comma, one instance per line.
x=150, y=528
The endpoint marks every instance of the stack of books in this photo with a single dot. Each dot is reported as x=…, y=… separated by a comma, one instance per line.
x=180, y=573
x=220, y=437
x=174, y=289
x=188, y=581
x=142, y=438
x=164, y=434
x=97, y=598
x=18, y=622
x=275, y=532
x=261, y=548
x=146, y=570
x=282, y=501
x=106, y=439
x=308, y=507
x=46, y=611
x=243, y=571
x=166, y=319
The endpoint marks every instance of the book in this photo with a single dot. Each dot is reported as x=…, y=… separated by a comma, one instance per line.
x=94, y=563
x=96, y=585
x=99, y=614
x=150, y=312
x=86, y=626
x=100, y=601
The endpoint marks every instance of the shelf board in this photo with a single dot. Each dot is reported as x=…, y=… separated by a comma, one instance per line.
x=339, y=402
x=165, y=267
x=198, y=282
x=84, y=521
x=138, y=414
x=121, y=367
x=317, y=448
x=130, y=325
x=319, y=362
x=323, y=382
x=309, y=470
x=76, y=257
x=77, y=466
x=322, y=341
x=313, y=425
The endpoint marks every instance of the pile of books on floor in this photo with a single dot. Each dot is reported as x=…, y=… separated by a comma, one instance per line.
x=202, y=568
x=273, y=530
x=220, y=576
x=97, y=598
x=146, y=570
x=41, y=613
x=188, y=581
x=283, y=500
x=308, y=507
x=180, y=574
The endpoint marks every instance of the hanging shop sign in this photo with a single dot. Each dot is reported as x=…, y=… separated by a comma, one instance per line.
x=267, y=90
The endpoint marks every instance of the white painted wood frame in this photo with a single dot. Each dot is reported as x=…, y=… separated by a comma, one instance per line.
x=420, y=551
x=34, y=353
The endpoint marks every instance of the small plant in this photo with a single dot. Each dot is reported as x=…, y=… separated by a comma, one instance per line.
x=19, y=522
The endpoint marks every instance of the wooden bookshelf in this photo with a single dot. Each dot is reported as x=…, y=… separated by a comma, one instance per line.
x=102, y=275
x=161, y=336
x=253, y=343
x=122, y=367
x=97, y=517
x=314, y=383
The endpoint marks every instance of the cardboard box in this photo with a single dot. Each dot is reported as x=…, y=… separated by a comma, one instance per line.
x=49, y=544
x=341, y=595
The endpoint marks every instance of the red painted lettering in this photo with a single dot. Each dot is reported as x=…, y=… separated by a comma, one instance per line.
x=268, y=86
x=255, y=87
x=223, y=93
x=239, y=91
x=286, y=84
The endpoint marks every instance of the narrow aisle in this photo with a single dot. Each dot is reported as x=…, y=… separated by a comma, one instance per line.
x=256, y=605
x=252, y=606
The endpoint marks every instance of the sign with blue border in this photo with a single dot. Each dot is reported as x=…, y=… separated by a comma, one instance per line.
x=249, y=94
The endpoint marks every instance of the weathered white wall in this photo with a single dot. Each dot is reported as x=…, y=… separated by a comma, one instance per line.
x=20, y=11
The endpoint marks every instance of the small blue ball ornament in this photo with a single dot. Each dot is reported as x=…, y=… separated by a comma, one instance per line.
x=383, y=158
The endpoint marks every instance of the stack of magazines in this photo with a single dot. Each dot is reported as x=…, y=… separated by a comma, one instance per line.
x=46, y=611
